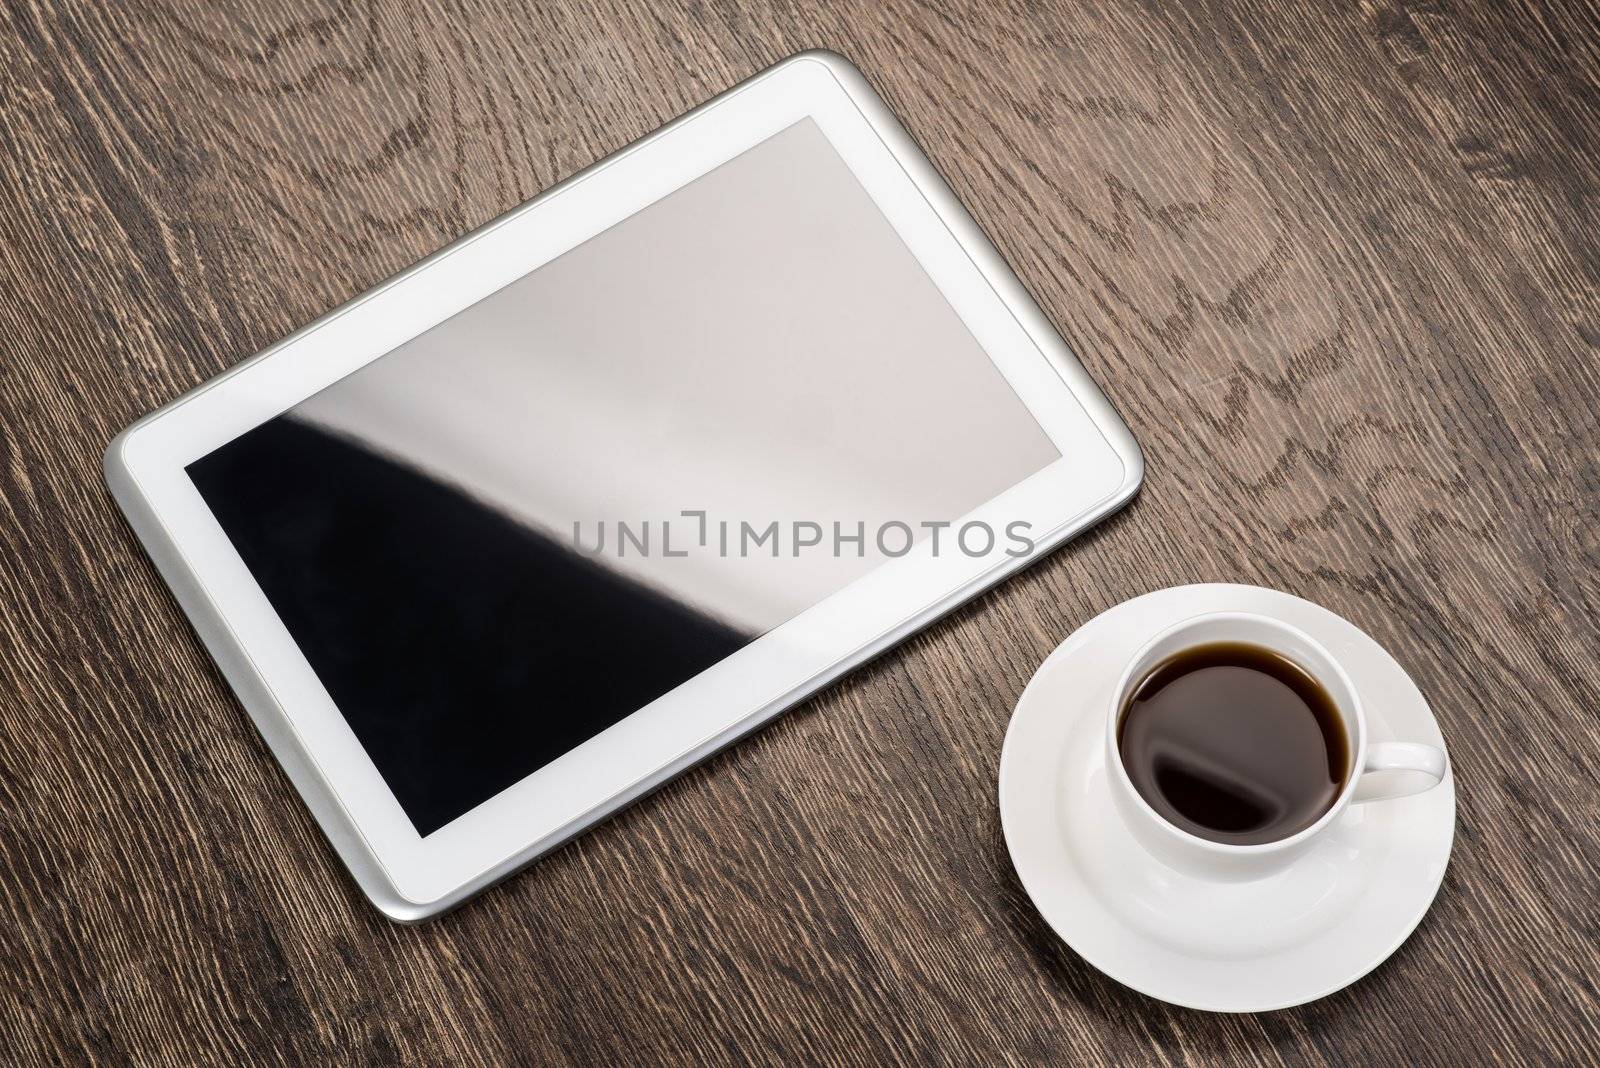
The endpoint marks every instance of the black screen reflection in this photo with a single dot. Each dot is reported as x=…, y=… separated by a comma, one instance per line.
x=465, y=650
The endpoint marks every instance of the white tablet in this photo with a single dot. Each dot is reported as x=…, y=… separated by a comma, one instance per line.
x=522, y=533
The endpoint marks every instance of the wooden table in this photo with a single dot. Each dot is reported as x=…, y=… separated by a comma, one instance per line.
x=1335, y=263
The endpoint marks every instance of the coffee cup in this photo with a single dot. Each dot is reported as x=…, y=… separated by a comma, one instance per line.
x=1232, y=855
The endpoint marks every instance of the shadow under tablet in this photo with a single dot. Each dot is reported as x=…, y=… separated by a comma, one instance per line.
x=466, y=651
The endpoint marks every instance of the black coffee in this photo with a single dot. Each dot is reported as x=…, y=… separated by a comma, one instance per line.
x=1234, y=743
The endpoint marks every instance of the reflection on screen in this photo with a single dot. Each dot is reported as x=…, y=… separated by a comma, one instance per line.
x=525, y=524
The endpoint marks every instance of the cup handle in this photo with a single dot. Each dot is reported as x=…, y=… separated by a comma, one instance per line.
x=1401, y=756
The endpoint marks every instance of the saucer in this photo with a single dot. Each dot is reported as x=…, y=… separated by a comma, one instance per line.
x=1295, y=936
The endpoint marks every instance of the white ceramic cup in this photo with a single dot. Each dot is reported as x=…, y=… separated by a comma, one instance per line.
x=1188, y=852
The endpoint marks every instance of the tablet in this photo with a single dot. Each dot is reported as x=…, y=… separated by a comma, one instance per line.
x=520, y=534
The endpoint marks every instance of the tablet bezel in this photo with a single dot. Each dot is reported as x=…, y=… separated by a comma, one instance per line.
x=410, y=877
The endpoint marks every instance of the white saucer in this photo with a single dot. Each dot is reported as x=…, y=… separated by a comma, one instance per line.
x=1298, y=935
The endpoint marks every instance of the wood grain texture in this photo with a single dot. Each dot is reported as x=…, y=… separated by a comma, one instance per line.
x=1337, y=264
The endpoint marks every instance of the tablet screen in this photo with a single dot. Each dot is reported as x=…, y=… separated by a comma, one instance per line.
x=544, y=513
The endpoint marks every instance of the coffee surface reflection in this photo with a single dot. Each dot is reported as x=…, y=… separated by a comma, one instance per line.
x=1234, y=743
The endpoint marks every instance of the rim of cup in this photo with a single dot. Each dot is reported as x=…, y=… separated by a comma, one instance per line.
x=1355, y=733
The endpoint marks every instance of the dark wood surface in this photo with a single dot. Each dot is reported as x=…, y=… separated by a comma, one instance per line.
x=1335, y=263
